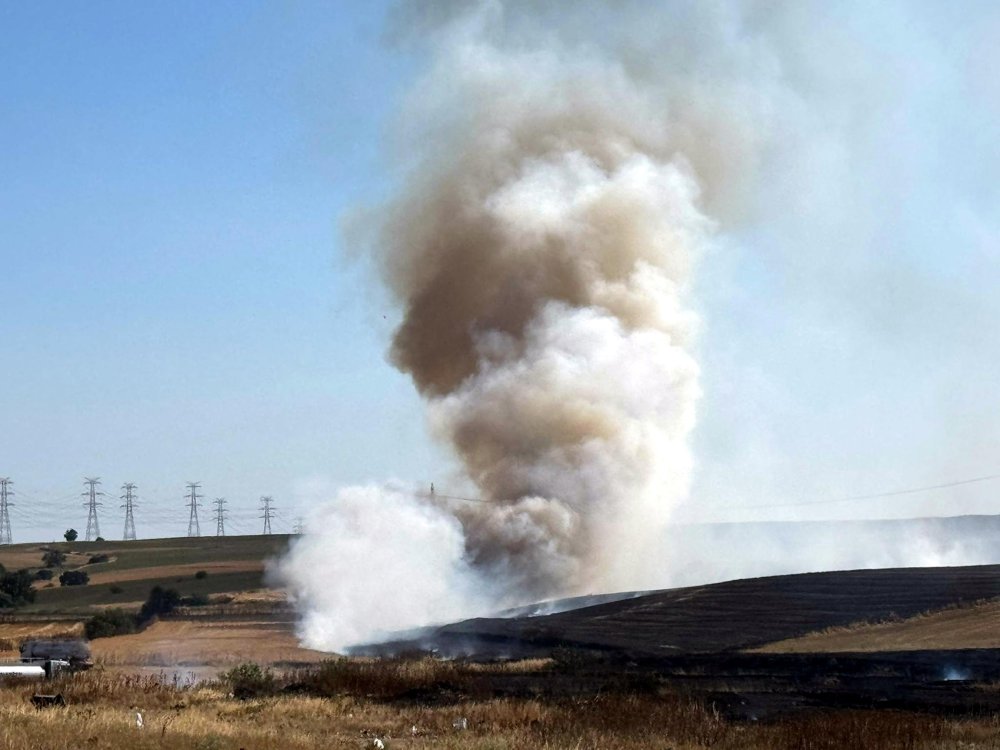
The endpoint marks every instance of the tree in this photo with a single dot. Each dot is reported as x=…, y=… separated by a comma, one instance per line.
x=53, y=558
x=161, y=601
x=74, y=578
x=16, y=588
x=70, y=535
x=108, y=623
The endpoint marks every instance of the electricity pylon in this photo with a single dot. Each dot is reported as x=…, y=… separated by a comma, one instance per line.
x=267, y=512
x=220, y=516
x=5, y=492
x=92, y=504
x=194, y=529
x=129, y=504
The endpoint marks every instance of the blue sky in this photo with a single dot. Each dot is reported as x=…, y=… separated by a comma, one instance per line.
x=175, y=305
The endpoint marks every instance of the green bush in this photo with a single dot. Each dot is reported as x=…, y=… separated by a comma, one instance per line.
x=161, y=601
x=101, y=558
x=250, y=680
x=74, y=578
x=53, y=558
x=115, y=589
x=201, y=575
x=44, y=575
x=110, y=622
x=17, y=588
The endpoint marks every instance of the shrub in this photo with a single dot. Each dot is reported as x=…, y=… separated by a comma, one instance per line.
x=17, y=588
x=74, y=578
x=53, y=558
x=102, y=558
x=110, y=622
x=201, y=575
x=70, y=535
x=44, y=575
x=250, y=681
x=161, y=601
x=195, y=600
x=115, y=589
x=99, y=539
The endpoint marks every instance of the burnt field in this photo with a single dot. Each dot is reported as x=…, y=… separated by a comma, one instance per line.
x=722, y=644
x=732, y=616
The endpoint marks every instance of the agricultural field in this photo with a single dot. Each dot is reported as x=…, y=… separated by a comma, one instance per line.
x=744, y=614
x=904, y=658
x=233, y=564
x=975, y=625
x=244, y=620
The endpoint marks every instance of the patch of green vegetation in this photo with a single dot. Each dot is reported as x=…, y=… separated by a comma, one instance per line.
x=80, y=599
x=249, y=681
x=74, y=578
x=109, y=623
x=15, y=588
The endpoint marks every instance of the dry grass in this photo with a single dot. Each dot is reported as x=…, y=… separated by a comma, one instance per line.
x=183, y=570
x=101, y=715
x=12, y=634
x=215, y=643
x=969, y=626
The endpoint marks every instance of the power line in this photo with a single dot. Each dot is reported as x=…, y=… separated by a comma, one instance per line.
x=267, y=512
x=194, y=528
x=856, y=498
x=92, y=493
x=129, y=498
x=220, y=516
x=5, y=492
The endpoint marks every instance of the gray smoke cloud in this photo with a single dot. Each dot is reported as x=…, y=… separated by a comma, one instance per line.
x=564, y=168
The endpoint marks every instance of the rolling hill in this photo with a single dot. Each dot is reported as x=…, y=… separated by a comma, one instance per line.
x=725, y=617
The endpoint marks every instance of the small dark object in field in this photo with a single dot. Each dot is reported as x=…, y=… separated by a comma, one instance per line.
x=45, y=701
x=201, y=575
x=74, y=578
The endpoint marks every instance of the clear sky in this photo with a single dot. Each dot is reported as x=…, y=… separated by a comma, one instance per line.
x=176, y=304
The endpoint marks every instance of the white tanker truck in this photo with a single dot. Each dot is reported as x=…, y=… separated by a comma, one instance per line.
x=44, y=658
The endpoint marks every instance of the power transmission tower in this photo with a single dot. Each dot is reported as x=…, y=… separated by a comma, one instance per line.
x=129, y=498
x=220, y=516
x=268, y=512
x=5, y=492
x=194, y=529
x=92, y=493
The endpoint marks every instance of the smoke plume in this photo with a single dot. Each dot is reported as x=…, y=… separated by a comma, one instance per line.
x=556, y=196
x=563, y=170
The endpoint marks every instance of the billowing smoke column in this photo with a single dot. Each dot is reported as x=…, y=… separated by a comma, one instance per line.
x=540, y=249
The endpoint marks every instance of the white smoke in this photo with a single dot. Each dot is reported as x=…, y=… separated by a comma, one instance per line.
x=541, y=250
x=564, y=168
x=377, y=563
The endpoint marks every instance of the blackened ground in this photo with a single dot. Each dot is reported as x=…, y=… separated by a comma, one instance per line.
x=735, y=615
x=693, y=641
